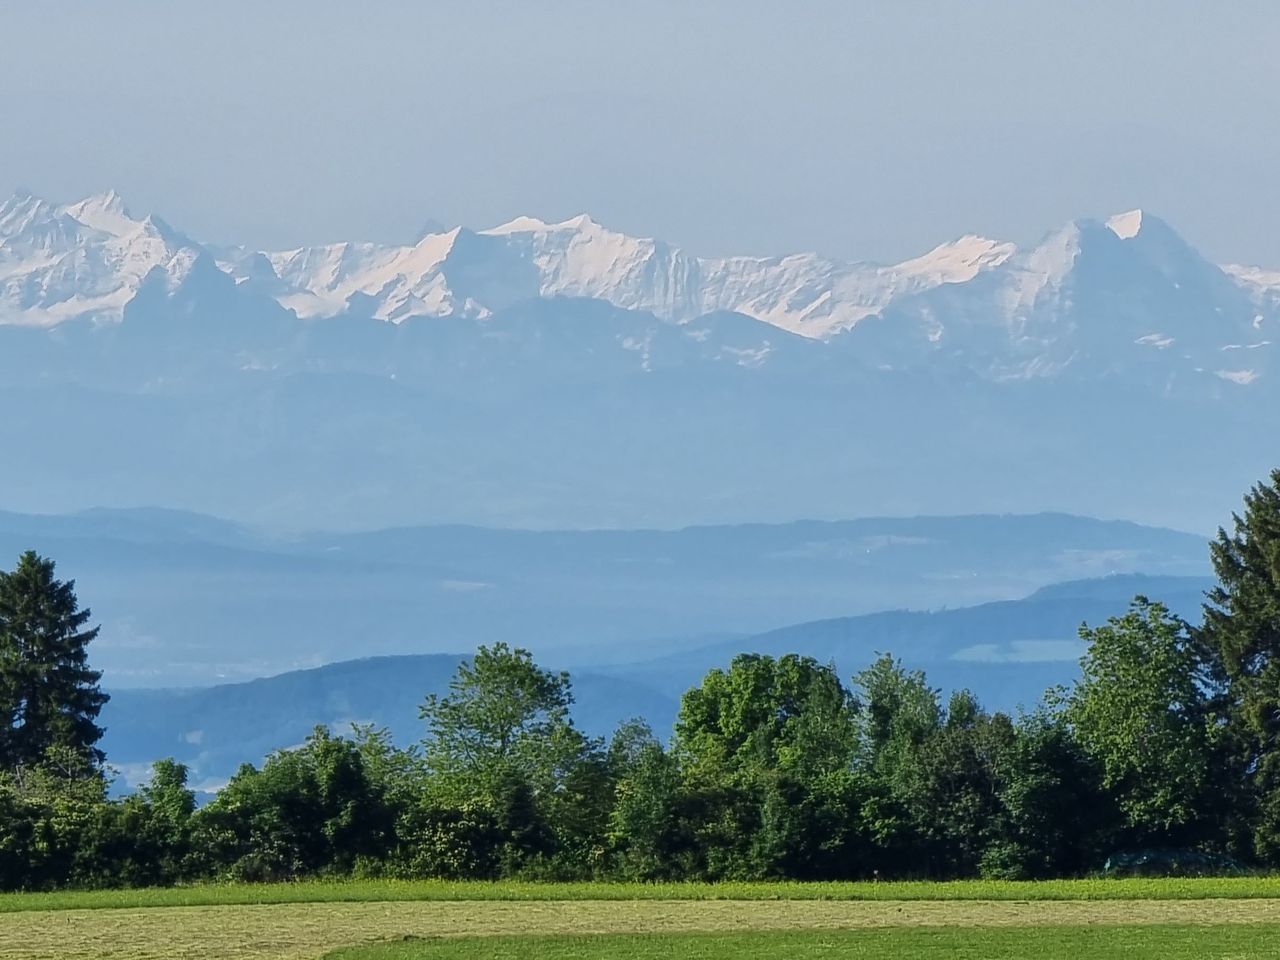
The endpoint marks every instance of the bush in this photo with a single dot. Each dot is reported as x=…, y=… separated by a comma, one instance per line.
x=1170, y=863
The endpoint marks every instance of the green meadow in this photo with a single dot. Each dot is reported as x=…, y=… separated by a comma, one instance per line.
x=390, y=891
x=932, y=943
x=1235, y=918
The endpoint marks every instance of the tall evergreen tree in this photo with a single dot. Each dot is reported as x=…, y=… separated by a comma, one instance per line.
x=49, y=696
x=1242, y=628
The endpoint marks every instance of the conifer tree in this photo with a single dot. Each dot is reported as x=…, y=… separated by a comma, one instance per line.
x=49, y=696
x=1242, y=629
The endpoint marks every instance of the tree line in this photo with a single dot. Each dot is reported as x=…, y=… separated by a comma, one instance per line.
x=777, y=768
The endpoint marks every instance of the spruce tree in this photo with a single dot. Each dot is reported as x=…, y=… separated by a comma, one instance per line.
x=49, y=696
x=1242, y=629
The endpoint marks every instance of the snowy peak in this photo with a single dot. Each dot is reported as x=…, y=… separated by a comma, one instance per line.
x=1126, y=225
x=1142, y=230
x=82, y=260
x=534, y=225
x=436, y=277
x=523, y=225
x=105, y=212
x=960, y=260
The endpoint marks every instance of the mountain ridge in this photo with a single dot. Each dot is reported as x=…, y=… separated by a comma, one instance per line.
x=89, y=259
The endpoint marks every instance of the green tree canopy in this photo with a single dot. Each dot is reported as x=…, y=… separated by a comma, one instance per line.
x=308, y=809
x=503, y=718
x=792, y=713
x=952, y=788
x=766, y=756
x=896, y=713
x=49, y=696
x=1141, y=709
x=1242, y=629
x=643, y=832
x=502, y=741
x=1055, y=808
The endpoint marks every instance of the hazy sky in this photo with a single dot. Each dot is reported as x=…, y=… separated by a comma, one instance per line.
x=858, y=129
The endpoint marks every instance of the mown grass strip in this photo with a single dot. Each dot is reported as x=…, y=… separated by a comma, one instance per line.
x=1010, y=943
x=306, y=931
x=368, y=891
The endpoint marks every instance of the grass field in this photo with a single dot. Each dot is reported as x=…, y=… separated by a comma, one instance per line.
x=1050, y=943
x=383, y=891
x=308, y=931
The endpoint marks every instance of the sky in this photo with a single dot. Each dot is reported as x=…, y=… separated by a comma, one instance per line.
x=863, y=130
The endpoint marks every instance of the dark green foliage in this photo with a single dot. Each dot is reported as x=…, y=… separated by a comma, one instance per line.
x=1242, y=630
x=897, y=714
x=49, y=697
x=307, y=811
x=20, y=865
x=503, y=716
x=1055, y=810
x=501, y=744
x=1142, y=711
x=645, y=835
x=54, y=807
x=145, y=839
x=766, y=750
x=1171, y=863
x=954, y=792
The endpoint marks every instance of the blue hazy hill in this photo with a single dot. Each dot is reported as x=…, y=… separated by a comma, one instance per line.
x=1007, y=652
x=187, y=600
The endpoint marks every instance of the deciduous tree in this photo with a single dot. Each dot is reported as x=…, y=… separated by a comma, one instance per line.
x=1141, y=710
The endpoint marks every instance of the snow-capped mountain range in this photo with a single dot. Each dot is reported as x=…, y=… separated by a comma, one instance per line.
x=566, y=375
x=1095, y=296
x=82, y=260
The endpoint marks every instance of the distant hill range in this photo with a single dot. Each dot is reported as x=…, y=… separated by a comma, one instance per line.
x=1008, y=652
x=188, y=600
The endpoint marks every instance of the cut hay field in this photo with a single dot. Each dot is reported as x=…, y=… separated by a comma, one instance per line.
x=466, y=922
x=927, y=943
